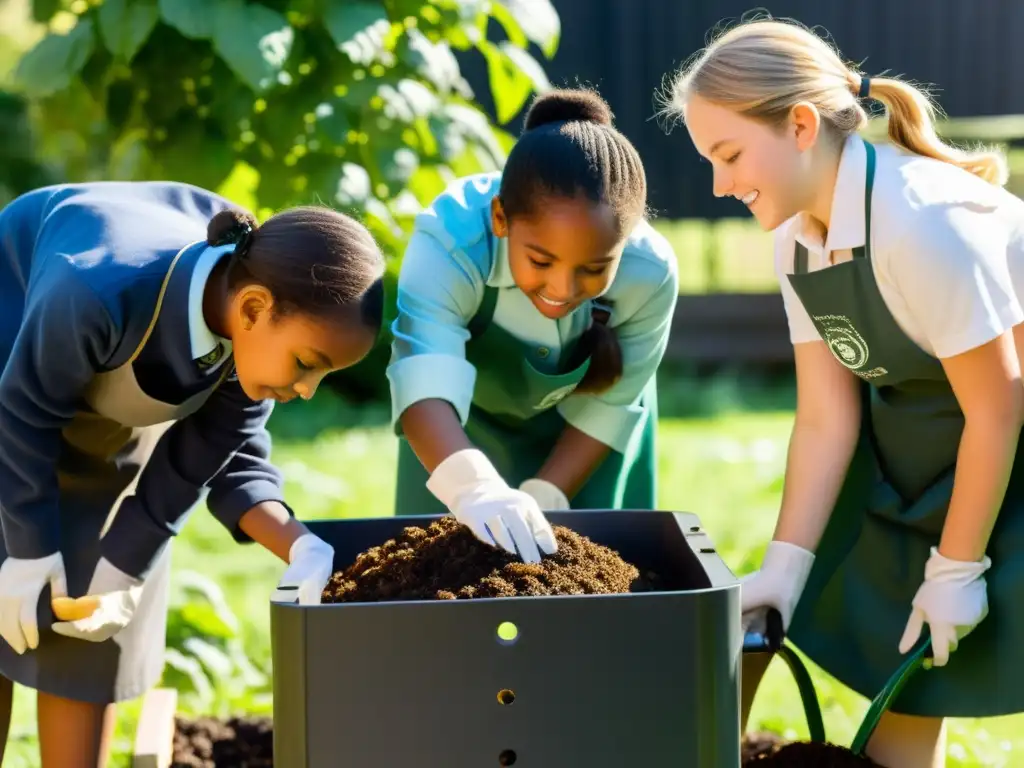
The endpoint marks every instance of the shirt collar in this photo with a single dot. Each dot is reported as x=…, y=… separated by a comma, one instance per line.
x=847, y=225
x=204, y=341
x=501, y=272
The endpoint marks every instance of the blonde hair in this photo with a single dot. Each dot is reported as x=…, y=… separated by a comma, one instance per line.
x=763, y=68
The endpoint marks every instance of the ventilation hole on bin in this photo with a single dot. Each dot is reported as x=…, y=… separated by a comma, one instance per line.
x=508, y=633
x=508, y=757
x=505, y=696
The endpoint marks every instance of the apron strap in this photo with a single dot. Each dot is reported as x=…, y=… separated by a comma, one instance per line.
x=479, y=322
x=864, y=251
x=860, y=252
x=800, y=259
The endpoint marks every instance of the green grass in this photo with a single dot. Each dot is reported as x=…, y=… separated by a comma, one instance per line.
x=726, y=466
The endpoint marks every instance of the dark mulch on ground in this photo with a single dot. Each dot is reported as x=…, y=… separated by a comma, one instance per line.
x=209, y=742
x=768, y=750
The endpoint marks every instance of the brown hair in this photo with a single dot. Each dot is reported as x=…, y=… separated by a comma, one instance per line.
x=313, y=260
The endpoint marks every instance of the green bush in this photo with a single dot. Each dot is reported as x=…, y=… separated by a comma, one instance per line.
x=356, y=104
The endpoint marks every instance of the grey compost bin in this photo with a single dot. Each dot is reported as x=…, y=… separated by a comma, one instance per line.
x=640, y=680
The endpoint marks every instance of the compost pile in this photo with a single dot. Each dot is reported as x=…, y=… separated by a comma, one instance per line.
x=445, y=561
x=765, y=750
x=239, y=742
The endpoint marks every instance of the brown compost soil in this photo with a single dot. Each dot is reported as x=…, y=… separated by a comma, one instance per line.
x=237, y=742
x=247, y=742
x=445, y=561
x=767, y=750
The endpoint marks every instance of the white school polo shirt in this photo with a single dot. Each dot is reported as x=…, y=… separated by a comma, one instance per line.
x=947, y=248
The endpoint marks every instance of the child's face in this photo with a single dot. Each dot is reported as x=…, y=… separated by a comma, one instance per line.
x=764, y=167
x=565, y=255
x=286, y=356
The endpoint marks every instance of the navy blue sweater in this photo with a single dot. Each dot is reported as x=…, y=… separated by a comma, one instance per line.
x=80, y=269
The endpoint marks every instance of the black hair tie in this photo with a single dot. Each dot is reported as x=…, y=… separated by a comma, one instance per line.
x=865, y=87
x=241, y=236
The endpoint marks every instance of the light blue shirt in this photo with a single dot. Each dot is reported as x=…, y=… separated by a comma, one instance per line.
x=452, y=255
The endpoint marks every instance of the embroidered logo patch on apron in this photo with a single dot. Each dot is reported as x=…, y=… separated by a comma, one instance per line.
x=847, y=345
x=554, y=397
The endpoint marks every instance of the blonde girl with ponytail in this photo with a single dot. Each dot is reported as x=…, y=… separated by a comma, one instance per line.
x=901, y=266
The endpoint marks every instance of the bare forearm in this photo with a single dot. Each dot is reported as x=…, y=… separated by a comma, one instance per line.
x=434, y=432
x=819, y=458
x=573, y=460
x=270, y=526
x=984, y=462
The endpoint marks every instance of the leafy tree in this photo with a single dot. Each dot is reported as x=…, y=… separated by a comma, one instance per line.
x=357, y=104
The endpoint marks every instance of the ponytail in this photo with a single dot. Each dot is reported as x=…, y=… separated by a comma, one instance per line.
x=763, y=68
x=601, y=344
x=912, y=126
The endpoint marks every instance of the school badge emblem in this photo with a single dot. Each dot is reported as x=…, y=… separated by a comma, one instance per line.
x=554, y=397
x=211, y=358
x=847, y=345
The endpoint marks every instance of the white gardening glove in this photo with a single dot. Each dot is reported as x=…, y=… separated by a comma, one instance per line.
x=952, y=600
x=21, y=583
x=476, y=495
x=311, y=565
x=118, y=595
x=778, y=585
x=547, y=495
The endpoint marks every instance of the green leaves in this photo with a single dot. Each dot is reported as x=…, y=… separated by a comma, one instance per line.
x=193, y=18
x=356, y=104
x=511, y=83
x=205, y=660
x=253, y=40
x=534, y=20
x=360, y=29
x=125, y=25
x=44, y=10
x=55, y=60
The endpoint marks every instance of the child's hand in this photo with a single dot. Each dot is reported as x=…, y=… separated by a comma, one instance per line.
x=21, y=583
x=547, y=495
x=116, y=596
x=953, y=600
x=471, y=488
x=778, y=585
x=311, y=565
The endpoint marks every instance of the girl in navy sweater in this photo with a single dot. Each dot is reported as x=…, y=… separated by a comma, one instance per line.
x=146, y=331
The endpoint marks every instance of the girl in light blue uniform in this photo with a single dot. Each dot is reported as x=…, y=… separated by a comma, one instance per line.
x=534, y=307
x=146, y=330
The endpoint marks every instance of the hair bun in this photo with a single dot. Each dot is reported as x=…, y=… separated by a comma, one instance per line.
x=231, y=226
x=567, y=105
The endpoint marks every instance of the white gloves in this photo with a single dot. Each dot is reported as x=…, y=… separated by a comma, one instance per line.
x=547, y=495
x=311, y=565
x=21, y=583
x=952, y=600
x=778, y=585
x=471, y=488
x=118, y=594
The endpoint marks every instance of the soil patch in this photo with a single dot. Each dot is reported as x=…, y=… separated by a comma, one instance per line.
x=445, y=561
x=767, y=750
x=209, y=742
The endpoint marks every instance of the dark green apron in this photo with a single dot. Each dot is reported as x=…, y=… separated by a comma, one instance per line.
x=513, y=420
x=891, y=510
